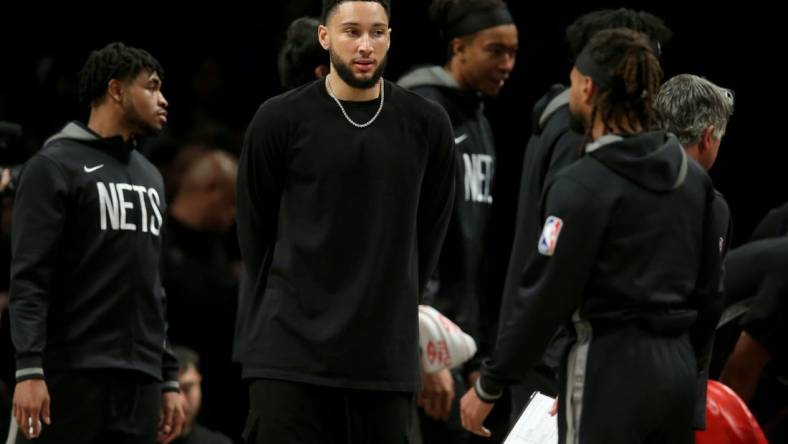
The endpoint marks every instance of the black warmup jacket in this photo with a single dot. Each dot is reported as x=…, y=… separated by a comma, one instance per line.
x=552, y=147
x=631, y=237
x=86, y=235
x=340, y=228
x=460, y=288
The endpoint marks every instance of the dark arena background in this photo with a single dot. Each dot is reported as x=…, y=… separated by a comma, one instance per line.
x=220, y=65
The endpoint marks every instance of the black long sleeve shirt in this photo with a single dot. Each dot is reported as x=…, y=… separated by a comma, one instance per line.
x=340, y=228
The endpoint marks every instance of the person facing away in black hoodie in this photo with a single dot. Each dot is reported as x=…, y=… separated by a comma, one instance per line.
x=628, y=260
x=482, y=46
x=553, y=146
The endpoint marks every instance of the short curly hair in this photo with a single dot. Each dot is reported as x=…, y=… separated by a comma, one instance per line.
x=114, y=61
x=586, y=26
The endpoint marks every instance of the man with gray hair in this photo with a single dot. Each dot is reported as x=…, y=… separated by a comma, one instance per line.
x=697, y=112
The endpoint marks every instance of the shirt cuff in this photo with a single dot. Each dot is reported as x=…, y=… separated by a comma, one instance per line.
x=171, y=386
x=23, y=374
x=486, y=395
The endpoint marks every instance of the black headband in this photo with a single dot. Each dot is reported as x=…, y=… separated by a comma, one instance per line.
x=476, y=21
x=587, y=66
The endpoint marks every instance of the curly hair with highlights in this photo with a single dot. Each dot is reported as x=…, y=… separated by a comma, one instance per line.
x=635, y=79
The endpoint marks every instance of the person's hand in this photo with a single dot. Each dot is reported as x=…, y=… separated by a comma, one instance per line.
x=473, y=412
x=172, y=417
x=31, y=405
x=436, y=394
x=554, y=408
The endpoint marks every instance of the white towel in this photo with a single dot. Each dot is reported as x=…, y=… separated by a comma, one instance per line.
x=443, y=344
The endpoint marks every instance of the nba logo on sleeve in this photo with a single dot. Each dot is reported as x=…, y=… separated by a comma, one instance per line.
x=549, y=238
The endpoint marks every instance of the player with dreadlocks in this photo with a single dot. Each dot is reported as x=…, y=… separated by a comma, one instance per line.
x=627, y=261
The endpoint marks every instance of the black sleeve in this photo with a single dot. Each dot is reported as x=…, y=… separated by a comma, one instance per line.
x=767, y=318
x=259, y=188
x=436, y=198
x=38, y=219
x=708, y=298
x=775, y=224
x=551, y=285
x=564, y=152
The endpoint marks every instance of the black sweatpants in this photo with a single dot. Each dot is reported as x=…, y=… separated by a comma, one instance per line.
x=100, y=407
x=290, y=412
x=627, y=386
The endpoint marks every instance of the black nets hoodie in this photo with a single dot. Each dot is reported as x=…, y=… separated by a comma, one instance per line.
x=632, y=237
x=86, y=236
x=460, y=287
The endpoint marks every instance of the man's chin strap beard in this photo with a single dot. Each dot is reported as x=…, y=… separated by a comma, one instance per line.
x=346, y=74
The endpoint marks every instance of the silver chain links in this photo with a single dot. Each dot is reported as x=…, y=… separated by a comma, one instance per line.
x=342, y=108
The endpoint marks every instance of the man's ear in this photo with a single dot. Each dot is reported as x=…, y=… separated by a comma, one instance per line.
x=115, y=90
x=458, y=47
x=706, y=140
x=322, y=36
x=588, y=89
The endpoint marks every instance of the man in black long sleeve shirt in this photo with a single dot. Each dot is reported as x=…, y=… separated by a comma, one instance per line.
x=87, y=307
x=345, y=191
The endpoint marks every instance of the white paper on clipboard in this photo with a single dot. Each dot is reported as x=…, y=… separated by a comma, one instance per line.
x=535, y=425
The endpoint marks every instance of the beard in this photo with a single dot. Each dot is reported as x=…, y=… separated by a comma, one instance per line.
x=577, y=122
x=345, y=72
x=139, y=126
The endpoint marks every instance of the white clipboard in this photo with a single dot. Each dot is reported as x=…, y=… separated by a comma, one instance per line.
x=535, y=425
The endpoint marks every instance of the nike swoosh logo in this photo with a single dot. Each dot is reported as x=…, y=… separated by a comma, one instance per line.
x=459, y=140
x=92, y=169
